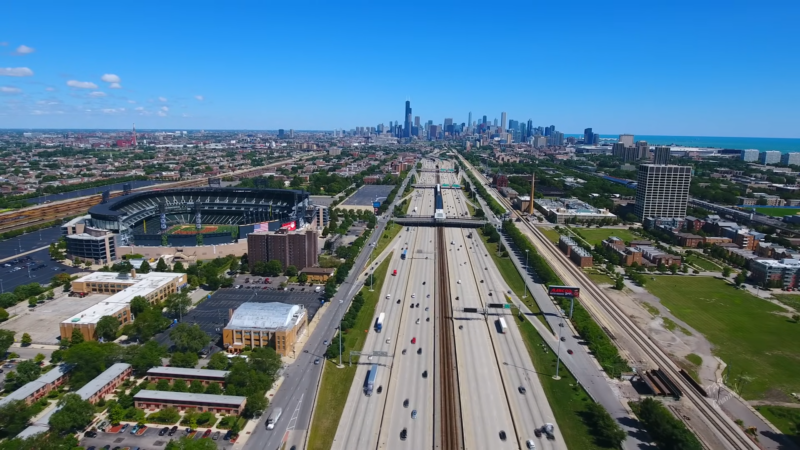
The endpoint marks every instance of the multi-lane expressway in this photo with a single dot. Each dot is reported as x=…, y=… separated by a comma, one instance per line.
x=501, y=399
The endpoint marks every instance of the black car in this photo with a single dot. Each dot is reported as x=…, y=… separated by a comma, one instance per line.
x=227, y=436
x=425, y=374
x=502, y=435
x=163, y=431
x=403, y=434
x=173, y=430
x=90, y=434
x=419, y=351
x=537, y=432
x=405, y=404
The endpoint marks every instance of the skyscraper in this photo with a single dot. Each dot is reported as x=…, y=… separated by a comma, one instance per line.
x=502, y=122
x=750, y=155
x=407, y=127
x=469, y=121
x=484, y=120
x=661, y=155
x=530, y=128
x=643, y=149
x=626, y=139
x=588, y=136
x=769, y=157
x=662, y=191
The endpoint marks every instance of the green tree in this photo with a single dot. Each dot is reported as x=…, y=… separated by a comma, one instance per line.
x=90, y=359
x=191, y=444
x=145, y=267
x=39, y=358
x=684, y=269
x=8, y=299
x=178, y=267
x=163, y=385
x=273, y=268
x=213, y=389
x=179, y=386
x=673, y=268
x=256, y=404
x=139, y=304
x=619, y=284
x=74, y=414
x=26, y=339
x=6, y=339
x=189, y=338
x=196, y=387
x=148, y=323
x=146, y=356
x=77, y=337
x=3, y=315
x=187, y=359
x=178, y=303
x=302, y=278
x=235, y=265
x=161, y=266
x=740, y=278
x=726, y=271
x=107, y=328
x=27, y=371
x=291, y=271
x=14, y=416
x=115, y=413
x=606, y=429
x=219, y=361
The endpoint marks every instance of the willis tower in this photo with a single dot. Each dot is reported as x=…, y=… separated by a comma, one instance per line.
x=407, y=126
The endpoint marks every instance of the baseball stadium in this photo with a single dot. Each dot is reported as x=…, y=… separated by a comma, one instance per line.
x=218, y=215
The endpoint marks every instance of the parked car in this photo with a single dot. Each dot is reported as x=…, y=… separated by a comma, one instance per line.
x=163, y=431
x=173, y=430
x=215, y=436
x=124, y=427
x=90, y=434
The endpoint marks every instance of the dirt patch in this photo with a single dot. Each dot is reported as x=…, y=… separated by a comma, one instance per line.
x=776, y=396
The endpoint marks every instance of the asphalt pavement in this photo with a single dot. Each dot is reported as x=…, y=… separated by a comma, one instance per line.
x=296, y=395
x=367, y=194
x=10, y=280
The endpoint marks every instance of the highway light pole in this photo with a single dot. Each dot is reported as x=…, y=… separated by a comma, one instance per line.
x=558, y=351
x=525, y=294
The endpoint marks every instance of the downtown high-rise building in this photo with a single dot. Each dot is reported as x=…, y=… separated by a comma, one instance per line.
x=750, y=155
x=769, y=157
x=662, y=191
x=469, y=122
x=790, y=159
x=588, y=136
x=503, y=118
x=626, y=139
x=661, y=155
x=530, y=128
x=643, y=149
x=407, y=126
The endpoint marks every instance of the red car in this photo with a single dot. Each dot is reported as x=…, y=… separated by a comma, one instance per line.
x=569, y=351
x=413, y=340
x=207, y=433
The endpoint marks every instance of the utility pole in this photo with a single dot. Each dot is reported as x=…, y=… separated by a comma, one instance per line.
x=558, y=351
x=525, y=294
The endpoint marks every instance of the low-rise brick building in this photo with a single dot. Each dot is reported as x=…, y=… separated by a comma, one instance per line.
x=205, y=376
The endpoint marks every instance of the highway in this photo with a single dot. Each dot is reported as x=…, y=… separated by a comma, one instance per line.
x=296, y=395
x=604, y=311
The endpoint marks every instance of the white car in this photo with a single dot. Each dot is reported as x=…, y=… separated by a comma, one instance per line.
x=529, y=443
x=414, y=295
x=388, y=296
x=459, y=281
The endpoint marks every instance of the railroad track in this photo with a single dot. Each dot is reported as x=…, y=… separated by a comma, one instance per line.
x=450, y=416
x=728, y=430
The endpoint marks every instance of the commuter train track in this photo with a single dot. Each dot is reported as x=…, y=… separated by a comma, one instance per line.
x=729, y=431
x=450, y=414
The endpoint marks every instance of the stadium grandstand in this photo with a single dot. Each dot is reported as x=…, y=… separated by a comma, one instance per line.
x=219, y=214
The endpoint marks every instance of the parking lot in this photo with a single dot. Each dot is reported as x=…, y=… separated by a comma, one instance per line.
x=367, y=194
x=150, y=439
x=43, y=322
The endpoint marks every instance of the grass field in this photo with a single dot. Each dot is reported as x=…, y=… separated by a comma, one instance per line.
x=191, y=229
x=703, y=263
x=746, y=332
x=777, y=212
x=786, y=419
x=598, y=235
x=336, y=382
x=551, y=233
x=567, y=399
x=389, y=234
x=597, y=277
x=790, y=300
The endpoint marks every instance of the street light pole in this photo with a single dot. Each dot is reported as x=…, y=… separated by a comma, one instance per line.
x=525, y=294
x=340, y=341
x=558, y=351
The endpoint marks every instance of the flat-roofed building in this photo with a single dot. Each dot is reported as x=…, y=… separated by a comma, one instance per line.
x=318, y=274
x=299, y=249
x=155, y=400
x=40, y=387
x=275, y=325
x=154, y=286
x=171, y=374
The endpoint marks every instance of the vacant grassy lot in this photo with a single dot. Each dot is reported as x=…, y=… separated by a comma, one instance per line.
x=389, y=233
x=597, y=277
x=598, y=235
x=703, y=263
x=786, y=419
x=551, y=233
x=336, y=382
x=790, y=300
x=566, y=398
x=748, y=333
x=777, y=212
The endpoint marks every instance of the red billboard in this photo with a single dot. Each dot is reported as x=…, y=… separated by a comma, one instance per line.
x=565, y=291
x=291, y=226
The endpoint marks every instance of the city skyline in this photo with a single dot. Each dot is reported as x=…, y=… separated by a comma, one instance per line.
x=61, y=73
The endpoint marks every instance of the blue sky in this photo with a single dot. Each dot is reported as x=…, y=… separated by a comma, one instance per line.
x=705, y=68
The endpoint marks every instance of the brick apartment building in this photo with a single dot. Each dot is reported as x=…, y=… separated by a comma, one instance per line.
x=291, y=249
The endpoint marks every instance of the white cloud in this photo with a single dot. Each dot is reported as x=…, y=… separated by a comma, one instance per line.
x=186, y=115
x=97, y=94
x=3, y=44
x=132, y=102
x=199, y=97
x=115, y=86
x=139, y=108
x=111, y=78
x=162, y=114
x=164, y=108
x=16, y=72
x=162, y=99
x=24, y=50
x=81, y=84
x=50, y=89
x=10, y=90
x=109, y=110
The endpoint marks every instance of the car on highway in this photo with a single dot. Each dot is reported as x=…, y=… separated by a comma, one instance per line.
x=403, y=434
x=316, y=362
x=569, y=351
x=325, y=342
x=413, y=340
x=417, y=321
x=563, y=339
x=405, y=403
x=425, y=373
x=522, y=389
x=502, y=435
x=537, y=432
x=529, y=443
x=414, y=414
x=417, y=305
x=412, y=306
x=404, y=351
x=414, y=295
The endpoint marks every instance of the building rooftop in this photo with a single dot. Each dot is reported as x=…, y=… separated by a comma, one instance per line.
x=180, y=371
x=30, y=388
x=101, y=380
x=265, y=316
x=205, y=399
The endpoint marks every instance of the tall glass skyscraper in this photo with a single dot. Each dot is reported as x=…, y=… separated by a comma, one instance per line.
x=407, y=126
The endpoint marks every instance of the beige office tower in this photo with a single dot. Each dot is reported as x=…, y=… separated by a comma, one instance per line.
x=643, y=149
x=626, y=139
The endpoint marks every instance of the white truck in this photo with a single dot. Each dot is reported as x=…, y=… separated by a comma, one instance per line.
x=503, y=325
x=273, y=418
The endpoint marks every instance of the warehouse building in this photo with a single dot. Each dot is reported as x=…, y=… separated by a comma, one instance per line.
x=155, y=400
x=154, y=286
x=275, y=325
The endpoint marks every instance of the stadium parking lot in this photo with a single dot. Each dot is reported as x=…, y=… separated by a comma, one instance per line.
x=150, y=439
x=367, y=194
x=43, y=322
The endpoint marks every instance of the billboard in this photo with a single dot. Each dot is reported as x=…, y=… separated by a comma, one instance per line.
x=565, y=291
x=291, y=226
